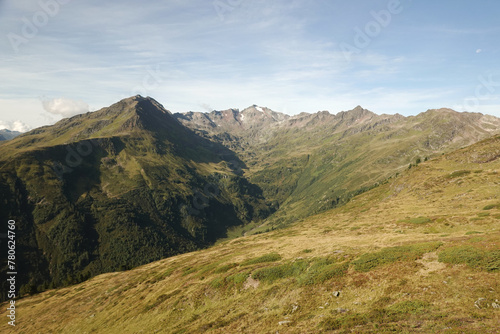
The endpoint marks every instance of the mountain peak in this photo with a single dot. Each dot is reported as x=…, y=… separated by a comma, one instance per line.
x=127, y=116
x=138, y=104
x=358, y=114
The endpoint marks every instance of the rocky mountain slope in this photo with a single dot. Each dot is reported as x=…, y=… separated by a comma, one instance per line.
x=309, y=163
x=116, y=188
x=417, y=254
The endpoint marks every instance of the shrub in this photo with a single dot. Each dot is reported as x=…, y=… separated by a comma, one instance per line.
x=189, y=270
x=409, y=307
x=224, y=268
x=492, y=206
x=472, y=256
x=217, y=283
x=270, y=274
x=344, y=322
x=323, y=269
x=272, y=257
x=377, y=317
x=458, y=173
x=473, y=232
x=331, y=271
x=235, y=280
x=369, y=261
x=419, y=220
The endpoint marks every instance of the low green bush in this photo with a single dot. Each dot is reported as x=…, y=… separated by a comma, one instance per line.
x=410, y=307
x=217, y=283
x=321, y=270
x=458, y=173
x=385, y=318
x=488, y=260
x=473, y=232
x=272, y=257
x=369, y=261
x=225, y=268
x=271, y=274
x=235, y=280
x=492, y=206
x=345, y=322
x=419, y=220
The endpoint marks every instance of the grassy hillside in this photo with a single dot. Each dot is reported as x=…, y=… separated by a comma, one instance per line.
x=114, y=189
x=418, y=254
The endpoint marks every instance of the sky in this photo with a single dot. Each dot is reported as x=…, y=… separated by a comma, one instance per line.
x=59, y=58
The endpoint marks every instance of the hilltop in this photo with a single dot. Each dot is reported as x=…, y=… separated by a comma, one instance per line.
x=419, y=253
x=117, y=188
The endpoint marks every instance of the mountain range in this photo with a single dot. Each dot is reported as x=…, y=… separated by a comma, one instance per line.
x=309, y=163
x=133, y=183
x=6, y=134
x=417, y=254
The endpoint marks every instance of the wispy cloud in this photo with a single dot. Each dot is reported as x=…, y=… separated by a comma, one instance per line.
x=64, y=107
x=283, y=54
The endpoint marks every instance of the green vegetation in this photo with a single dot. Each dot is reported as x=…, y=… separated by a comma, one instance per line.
x=369, y=261
x=379, y=318
x=473, y=232
x=272, y=257
x=323, y=270
x=113, y=190
x=492, y=206
x=458, y=173
x=225, y=268
x=409, y=281
x=231, y=281
x=410, y=307
x=271, y=274
x=419, y=220
x=481, y=259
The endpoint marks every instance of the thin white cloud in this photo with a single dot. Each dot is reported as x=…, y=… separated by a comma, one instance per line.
x=65, y=107
x=281, y=54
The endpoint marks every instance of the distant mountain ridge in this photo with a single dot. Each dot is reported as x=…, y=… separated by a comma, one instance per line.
x=308, y=163
x=6, y=134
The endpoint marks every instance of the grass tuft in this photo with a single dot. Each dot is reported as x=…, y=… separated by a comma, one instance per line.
x=419, y=220
x=369, y=261
x=473, y=257
x=225, y=268
x=492, y=206
x=322, y=270
x=458, y=173
x=271, y=257
x=271, y=274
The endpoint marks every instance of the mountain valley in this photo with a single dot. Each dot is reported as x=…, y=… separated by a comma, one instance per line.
x=255, y=221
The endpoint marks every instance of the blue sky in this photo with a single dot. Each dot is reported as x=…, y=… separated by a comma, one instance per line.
x=62, y=57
